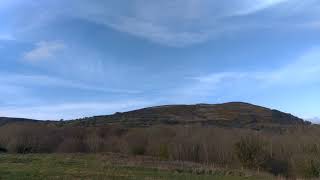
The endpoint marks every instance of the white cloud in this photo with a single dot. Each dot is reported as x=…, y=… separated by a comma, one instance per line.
x=218, y=77
x=185, y=22
x=315, y=120
x=253, y=6
x=157, y=33
x=188, y=22
x=44, y=50
x=176, y=23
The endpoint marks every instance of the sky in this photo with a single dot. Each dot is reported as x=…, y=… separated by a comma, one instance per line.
x=69, y=59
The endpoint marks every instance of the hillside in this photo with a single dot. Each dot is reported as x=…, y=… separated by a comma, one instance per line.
x=234, y=114
x=7, y=120
x=234, y=135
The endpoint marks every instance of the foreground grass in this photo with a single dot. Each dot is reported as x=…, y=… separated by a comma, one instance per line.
x=79, y=166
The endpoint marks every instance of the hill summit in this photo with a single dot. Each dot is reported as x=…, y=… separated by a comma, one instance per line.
x=234, y=114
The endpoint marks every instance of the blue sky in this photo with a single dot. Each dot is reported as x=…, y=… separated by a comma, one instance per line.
x=75, y=58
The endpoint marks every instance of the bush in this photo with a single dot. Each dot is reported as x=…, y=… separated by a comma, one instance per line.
x=311, y=169
x=251, y=151
x=138, y=150
x=23, y=143
x=276, y=166
x=72, y=145
x=137, y=142
x=94, y=143
x=163, y=151
x=21, y=147
x=3, y=150
x=292, y=152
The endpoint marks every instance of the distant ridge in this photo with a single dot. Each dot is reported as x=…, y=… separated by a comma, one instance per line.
x=233, y=114
x=6, y=120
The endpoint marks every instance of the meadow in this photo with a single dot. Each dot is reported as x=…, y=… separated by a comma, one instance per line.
x=110, y=166
x=66, y=152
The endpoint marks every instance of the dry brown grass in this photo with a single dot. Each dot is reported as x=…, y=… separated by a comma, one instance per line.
x=293, y=152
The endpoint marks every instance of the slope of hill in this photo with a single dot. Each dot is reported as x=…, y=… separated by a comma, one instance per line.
x=11, y=120
x=221, y=134
x=6, y=120
x=234, y=114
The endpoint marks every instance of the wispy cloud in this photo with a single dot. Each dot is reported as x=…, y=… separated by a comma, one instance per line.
x=86, y=66
x=32, y=81
x=303, y=70
x=20, y=100
x=71, y=110
x=44, y=50
x=184, y=23
x=157, y=33
x=314, y=120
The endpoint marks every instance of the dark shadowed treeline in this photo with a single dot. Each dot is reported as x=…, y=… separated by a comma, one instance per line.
x=293, y=152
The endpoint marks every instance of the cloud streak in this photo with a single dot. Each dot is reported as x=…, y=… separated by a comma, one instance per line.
x=32, y=81
x=184, y=23
x=304, y=70
x=20, y=99
x=71, y=110
x=44, y=50
x=108, y=67
x=188, y=22
x=253, y=6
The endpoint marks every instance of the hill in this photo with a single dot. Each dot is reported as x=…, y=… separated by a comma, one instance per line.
x=8, y=120
x=235, y=135
x=234, y=114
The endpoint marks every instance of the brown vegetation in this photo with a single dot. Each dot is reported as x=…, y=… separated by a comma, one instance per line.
x=293, y=153
x=232, y=135
x=236, y=114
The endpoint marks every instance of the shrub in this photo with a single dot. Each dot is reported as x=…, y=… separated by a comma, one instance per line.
x=21, y=147
x=3, y=150
x=163, y=151
x=94, y=143
x=251, y=151
x=276, y=166
x=72, y=145
x=24, y=142
x=137, y=141
x=137, y=150
x=311, y=168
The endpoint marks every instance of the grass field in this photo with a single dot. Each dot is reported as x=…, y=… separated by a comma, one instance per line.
x=80, y=166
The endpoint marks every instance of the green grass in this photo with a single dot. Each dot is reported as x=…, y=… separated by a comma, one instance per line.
x=79, y=166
